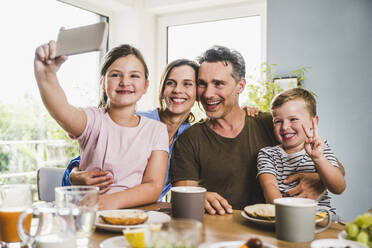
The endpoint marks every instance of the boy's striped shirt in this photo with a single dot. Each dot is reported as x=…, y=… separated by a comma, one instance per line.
x=274, y=160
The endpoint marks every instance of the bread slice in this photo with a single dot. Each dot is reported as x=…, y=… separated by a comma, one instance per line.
x=124, y=217
x=261, y=211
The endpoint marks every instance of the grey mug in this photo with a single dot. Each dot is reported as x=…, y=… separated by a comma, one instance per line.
x=188, y=202
x=295, y=219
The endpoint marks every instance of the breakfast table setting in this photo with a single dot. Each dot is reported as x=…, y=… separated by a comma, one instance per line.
x=229, y=230
x=73, y=220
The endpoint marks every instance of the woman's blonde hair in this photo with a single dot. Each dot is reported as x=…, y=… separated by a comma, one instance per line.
x=293, y=94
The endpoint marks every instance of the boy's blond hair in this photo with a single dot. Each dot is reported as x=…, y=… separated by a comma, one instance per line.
x=294, y=94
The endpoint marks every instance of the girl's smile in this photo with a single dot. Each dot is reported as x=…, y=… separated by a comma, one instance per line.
x=125, y=81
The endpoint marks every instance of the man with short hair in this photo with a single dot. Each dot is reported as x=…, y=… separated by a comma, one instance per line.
x=220, y=152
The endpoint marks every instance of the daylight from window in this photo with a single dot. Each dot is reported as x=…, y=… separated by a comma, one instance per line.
x=242, y=34
x=29, y=138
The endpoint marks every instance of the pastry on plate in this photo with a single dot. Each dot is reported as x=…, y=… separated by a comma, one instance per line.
x=125, y=217
x=261, y=211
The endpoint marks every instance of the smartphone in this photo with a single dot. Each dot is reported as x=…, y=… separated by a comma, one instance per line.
x=82, y=39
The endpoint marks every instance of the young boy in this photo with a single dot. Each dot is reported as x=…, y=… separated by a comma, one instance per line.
x=300, y=150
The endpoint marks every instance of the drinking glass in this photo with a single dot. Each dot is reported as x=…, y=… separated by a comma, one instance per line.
x=185, y=233
x=14, y=199
x=82, y=201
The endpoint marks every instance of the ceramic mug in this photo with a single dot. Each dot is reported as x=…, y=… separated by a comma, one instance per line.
x=295, y=219
x=188, y=202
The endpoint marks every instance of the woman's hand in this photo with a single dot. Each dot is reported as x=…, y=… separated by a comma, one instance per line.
x=46, y=63
x=101, y=179
x=252, y=111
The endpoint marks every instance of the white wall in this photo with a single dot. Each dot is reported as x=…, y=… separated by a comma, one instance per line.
x=137, y=27
x=333, y=38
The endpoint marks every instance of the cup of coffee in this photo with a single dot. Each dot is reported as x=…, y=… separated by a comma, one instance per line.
x=188, y=202
x=295, y=219
x=14, y=199
x=82, y=203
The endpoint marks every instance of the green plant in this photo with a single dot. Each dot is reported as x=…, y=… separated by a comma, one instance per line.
x=4, y=160
x=262, y=89
x=28, y=121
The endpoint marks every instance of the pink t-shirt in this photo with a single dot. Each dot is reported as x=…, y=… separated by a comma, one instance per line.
x=123, y=151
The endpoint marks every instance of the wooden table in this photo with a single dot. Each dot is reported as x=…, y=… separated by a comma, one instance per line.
x=229, y=228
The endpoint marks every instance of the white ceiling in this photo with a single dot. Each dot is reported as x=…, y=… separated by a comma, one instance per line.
x=167, y=6
x=158, y=7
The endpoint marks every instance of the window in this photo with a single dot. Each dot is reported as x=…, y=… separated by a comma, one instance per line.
x=242, y=34
x=237, y=25
x=29, y=137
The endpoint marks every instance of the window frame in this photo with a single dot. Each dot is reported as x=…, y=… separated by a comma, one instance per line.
x=207, y=15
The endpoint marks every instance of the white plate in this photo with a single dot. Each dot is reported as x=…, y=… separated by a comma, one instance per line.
x=265, y=222
x=230, y=244
x=258, y=221
x=336, y=243
x=115, y=242
x=154, y=218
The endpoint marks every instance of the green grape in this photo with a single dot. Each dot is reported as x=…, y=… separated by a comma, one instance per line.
x=370, y=232
x=364, y=220
x=362, y=237
x=352, y=230
x=349, y=238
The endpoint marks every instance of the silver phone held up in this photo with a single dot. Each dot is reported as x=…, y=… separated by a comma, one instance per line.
x=82, y=39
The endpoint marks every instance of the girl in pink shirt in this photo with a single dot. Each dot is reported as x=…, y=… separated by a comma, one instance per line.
x=113, y=140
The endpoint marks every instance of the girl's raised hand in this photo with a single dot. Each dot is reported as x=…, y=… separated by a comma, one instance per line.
x=314, y=145
x=46, y=61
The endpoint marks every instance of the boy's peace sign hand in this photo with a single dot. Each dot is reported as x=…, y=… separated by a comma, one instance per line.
x=314, y=145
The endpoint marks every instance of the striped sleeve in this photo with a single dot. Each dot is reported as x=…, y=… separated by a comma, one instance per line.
x=265, y=163
x=325, y=202
x=328, y=153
